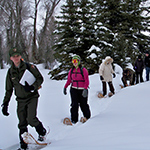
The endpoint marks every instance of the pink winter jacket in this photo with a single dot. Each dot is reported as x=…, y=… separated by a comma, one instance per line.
x=76, y=79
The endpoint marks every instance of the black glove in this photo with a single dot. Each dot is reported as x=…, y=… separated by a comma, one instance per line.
x=85, y=93
x=101, y=77
x=114, y=75
x=5, y=109
x=65, y=91
x=27, y=87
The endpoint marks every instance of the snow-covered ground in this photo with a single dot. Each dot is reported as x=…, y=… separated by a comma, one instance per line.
x=121, y=122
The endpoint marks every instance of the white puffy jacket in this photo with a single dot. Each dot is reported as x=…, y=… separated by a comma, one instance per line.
x=106, y=69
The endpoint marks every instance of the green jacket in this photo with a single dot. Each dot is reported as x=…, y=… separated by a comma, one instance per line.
x=12, y=82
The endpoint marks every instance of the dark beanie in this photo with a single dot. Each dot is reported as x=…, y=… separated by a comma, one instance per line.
x=147, y=52
x=139, y=57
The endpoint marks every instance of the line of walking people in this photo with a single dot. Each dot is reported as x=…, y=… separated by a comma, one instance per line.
x=135, y=75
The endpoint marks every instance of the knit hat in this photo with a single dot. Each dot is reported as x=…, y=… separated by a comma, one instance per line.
x=78, y=58
x=139, y=57
x=147, y=52
x=14, y=51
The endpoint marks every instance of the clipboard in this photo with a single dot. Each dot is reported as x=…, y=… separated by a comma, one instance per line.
x=28, y=77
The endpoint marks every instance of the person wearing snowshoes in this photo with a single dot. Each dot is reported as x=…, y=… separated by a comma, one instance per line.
x=26, y=95
x=147, y=64
x=79, y=80
x=107, y=73
x=138, y=67
x=128, y=75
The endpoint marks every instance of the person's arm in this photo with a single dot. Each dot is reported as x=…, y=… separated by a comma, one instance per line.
x=39, y=78
x=8, y=88
x=86, y=78
x=68, y=79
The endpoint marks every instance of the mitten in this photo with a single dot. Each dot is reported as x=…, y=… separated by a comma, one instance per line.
x=101, y=77
x=85, y=93
x=65, y=91
x=5, y=109
x=28, y=88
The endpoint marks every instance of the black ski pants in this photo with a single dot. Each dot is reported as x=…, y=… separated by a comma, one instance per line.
x=111, y=87
x=78, y=100
x=139, y=74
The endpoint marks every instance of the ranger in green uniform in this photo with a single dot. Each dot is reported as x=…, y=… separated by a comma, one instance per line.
x=26, y=95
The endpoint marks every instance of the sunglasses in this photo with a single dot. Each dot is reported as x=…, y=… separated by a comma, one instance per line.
x=74, y=61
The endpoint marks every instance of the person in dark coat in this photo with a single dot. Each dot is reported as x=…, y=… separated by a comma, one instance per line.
x=128, y=75
x=26, y=95
x=138, y=67
x=147, y=65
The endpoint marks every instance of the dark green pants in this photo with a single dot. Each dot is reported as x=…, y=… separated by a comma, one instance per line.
x=27, y=111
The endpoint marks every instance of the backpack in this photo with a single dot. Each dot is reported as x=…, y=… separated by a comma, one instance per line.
x=81, y=69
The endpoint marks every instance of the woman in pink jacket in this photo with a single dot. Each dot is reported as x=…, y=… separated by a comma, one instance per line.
x=79, y=80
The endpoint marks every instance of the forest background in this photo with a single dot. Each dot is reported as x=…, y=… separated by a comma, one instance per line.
x=51, y=31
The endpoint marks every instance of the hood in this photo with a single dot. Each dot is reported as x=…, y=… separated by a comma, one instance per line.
x=108, y=59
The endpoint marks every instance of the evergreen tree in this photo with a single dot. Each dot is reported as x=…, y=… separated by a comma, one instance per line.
x=75, y=35
x=67, y=28
x=123, y=23
x=115, y=26
x=87, y=33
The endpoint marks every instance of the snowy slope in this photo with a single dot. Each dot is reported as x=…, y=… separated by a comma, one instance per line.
x=117, y=123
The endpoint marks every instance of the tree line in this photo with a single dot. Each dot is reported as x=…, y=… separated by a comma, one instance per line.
x=117, y=27
x=19, y=28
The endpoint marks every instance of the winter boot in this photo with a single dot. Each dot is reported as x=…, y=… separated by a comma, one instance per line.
x=22, y=149
x=41, y=138
x=41, y=131
x=23, y=145
x=110, y=94
x=83, y=119
x=100, y=95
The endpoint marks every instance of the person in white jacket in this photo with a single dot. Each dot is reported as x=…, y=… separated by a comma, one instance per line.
x=106, y=73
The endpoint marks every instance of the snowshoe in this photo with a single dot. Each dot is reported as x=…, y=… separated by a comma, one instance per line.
x=67, y=121
x=110, y=94
x=121, y=86
x=100, y=95
x=29, y=139
x=83, y=119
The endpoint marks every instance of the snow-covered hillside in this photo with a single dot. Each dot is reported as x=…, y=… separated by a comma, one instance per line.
x=121, y=122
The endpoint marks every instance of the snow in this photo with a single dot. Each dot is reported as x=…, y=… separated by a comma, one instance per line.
x=121, y=122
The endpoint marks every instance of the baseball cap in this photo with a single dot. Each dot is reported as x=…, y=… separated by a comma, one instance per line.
x=14, y=51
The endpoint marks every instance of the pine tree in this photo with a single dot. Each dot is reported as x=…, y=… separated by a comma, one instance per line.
x=132, y=25
x=107, y=18
x=67, y=29
x=115, y=26
x=123, y=23
x=87, y=33
x=75, y=35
